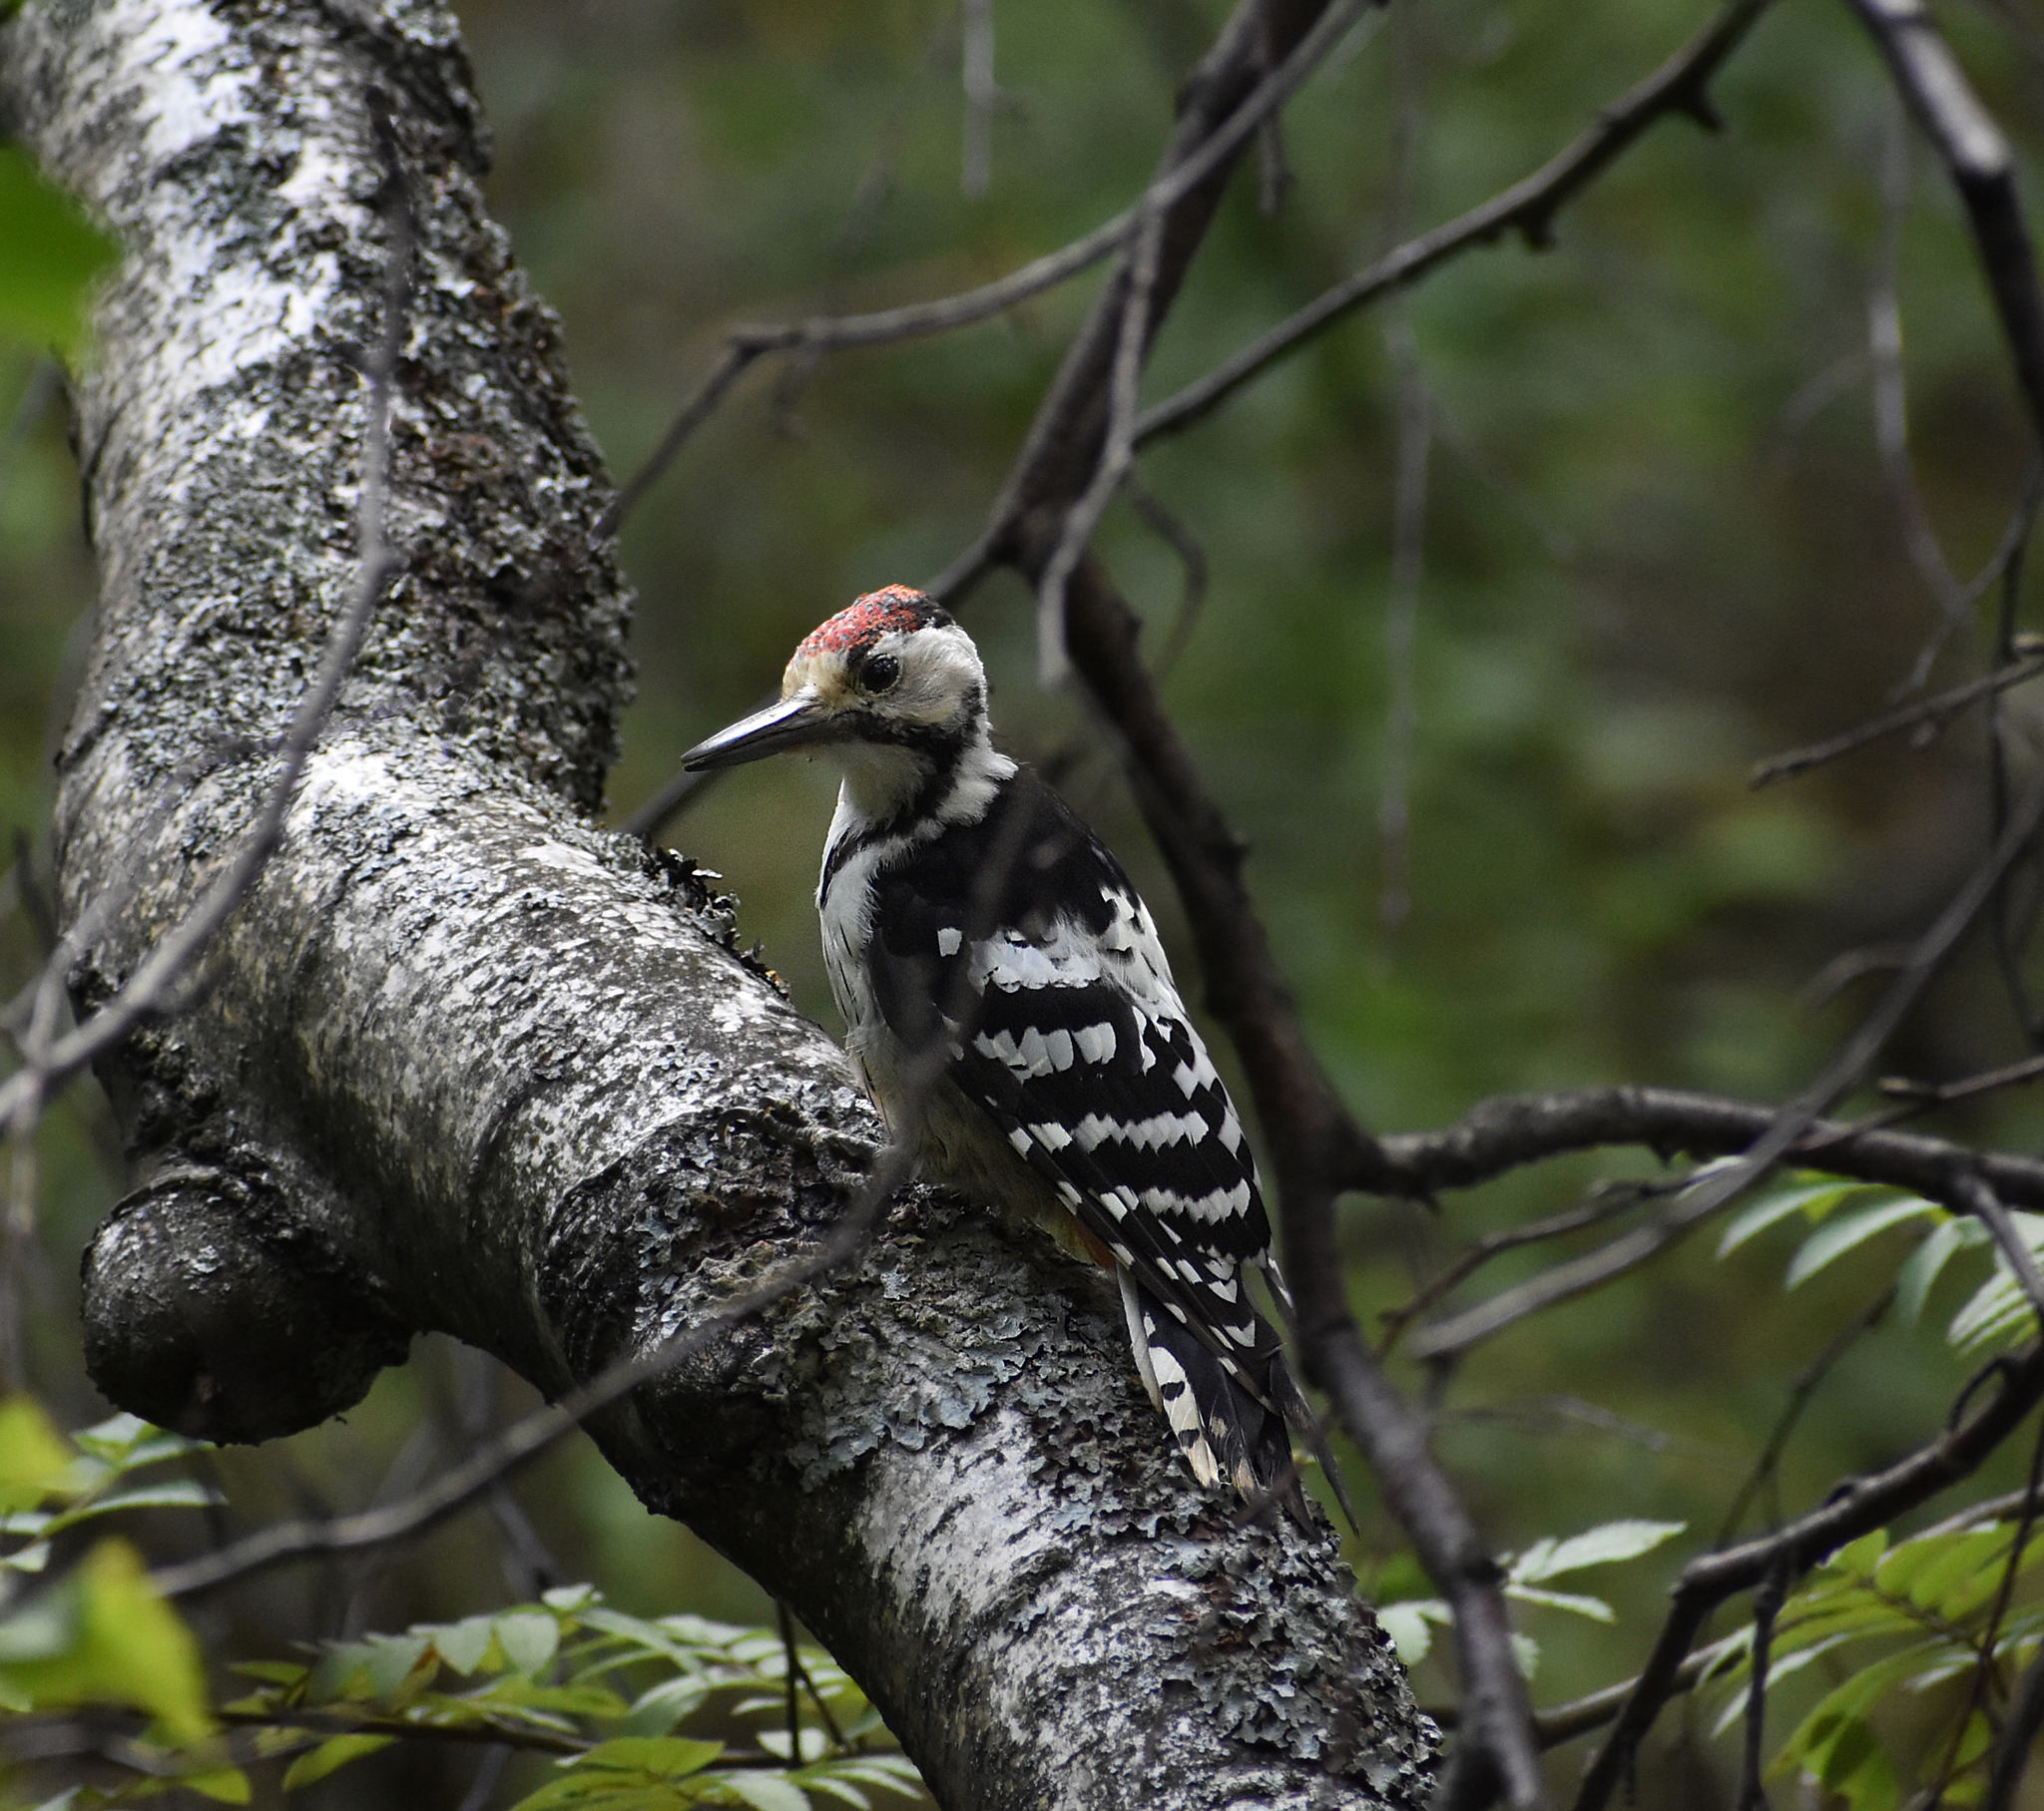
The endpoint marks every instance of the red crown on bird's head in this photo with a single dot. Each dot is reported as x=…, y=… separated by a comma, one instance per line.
x=892, y=608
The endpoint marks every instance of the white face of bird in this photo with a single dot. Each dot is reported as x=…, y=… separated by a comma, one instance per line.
x=886, y=687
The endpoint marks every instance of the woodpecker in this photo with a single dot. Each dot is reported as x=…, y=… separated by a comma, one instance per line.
x=962, y=901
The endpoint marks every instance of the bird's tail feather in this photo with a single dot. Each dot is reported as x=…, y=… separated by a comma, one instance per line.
x=1225, y=1432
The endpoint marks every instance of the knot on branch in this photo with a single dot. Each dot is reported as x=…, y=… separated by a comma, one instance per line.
x=208, y=1312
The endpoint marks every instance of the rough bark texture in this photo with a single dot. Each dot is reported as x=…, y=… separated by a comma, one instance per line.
x=467, y=1062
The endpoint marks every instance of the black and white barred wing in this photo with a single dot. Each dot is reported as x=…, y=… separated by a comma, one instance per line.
x=1077, y=1045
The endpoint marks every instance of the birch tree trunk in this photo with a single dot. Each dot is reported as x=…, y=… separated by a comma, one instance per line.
x=465, y=1061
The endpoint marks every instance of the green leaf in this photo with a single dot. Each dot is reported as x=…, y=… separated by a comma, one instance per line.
x=660, y=1708
x=1814, y=1738
x=664, y=1757
x=123, y=1644
x=1855, y=1767
x=1857, y=1558
x=1915, y=1280
x=1594, y=1608
x=53, y=257
x=530, y=1640
x=1840, y=1236
x=767, y=1791
x=1813, y=1201
x=35, y=1462
x=176, y=1493
x=463, y=1645
x=226, y=1785
x=1408, y=1626
x=322, y=1760
x=1603, y=1545
x=272, y=1672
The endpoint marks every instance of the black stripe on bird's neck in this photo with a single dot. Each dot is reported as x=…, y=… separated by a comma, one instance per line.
x=947, y=754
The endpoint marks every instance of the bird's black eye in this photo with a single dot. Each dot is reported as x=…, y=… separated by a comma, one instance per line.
x=879, y=672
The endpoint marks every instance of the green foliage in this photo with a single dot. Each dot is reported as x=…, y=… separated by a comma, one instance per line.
x=99, y=1634
x=1996, y=1316
x=1917, y=1616
x=603, y=1691
x=1410, y=1622
x=54, y=255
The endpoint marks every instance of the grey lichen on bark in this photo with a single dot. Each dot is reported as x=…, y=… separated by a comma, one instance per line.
x=465, y=1061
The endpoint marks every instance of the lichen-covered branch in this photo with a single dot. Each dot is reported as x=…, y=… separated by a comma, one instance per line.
x=463, y=1061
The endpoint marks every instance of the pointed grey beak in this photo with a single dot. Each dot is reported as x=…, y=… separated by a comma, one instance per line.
x=796, y=723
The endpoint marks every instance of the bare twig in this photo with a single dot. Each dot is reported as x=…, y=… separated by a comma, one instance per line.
x=1679, y=86
x=1767, y=1465
x=1855, y=1508
x=2018, y=1733
x=736, y=360
x=1768, y=1598
x=1983, y=1667
x=1977, y=159
x=1511, y=1130
x=651, y=819
x=1076, y=532
x=1180, y=538
x=1787, y=1130
x=1891, y=412
x=1931, y=714
x=1606, y=1201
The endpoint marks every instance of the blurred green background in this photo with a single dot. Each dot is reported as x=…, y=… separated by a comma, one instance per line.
x=1657, y=544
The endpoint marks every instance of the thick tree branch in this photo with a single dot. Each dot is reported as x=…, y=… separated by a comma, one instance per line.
x=468, y=1064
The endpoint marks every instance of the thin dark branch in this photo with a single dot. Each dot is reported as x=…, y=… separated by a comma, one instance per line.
x=654, y=816
x=1983, y=1667
x=1806, y=1385
x=1178, y=535
x=1977, y=159
x=1679, y=86
x=1767, y=1606
x=1137, y=317
x=1855, y=1508
x=1931, y=714
x=2018, y=1733
x=1511, y=1130
x=1075, y=533
x=1606, y=1201
x=1784, y=1133
x=736, y=360
x=321, y=1724
x=746, y=343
